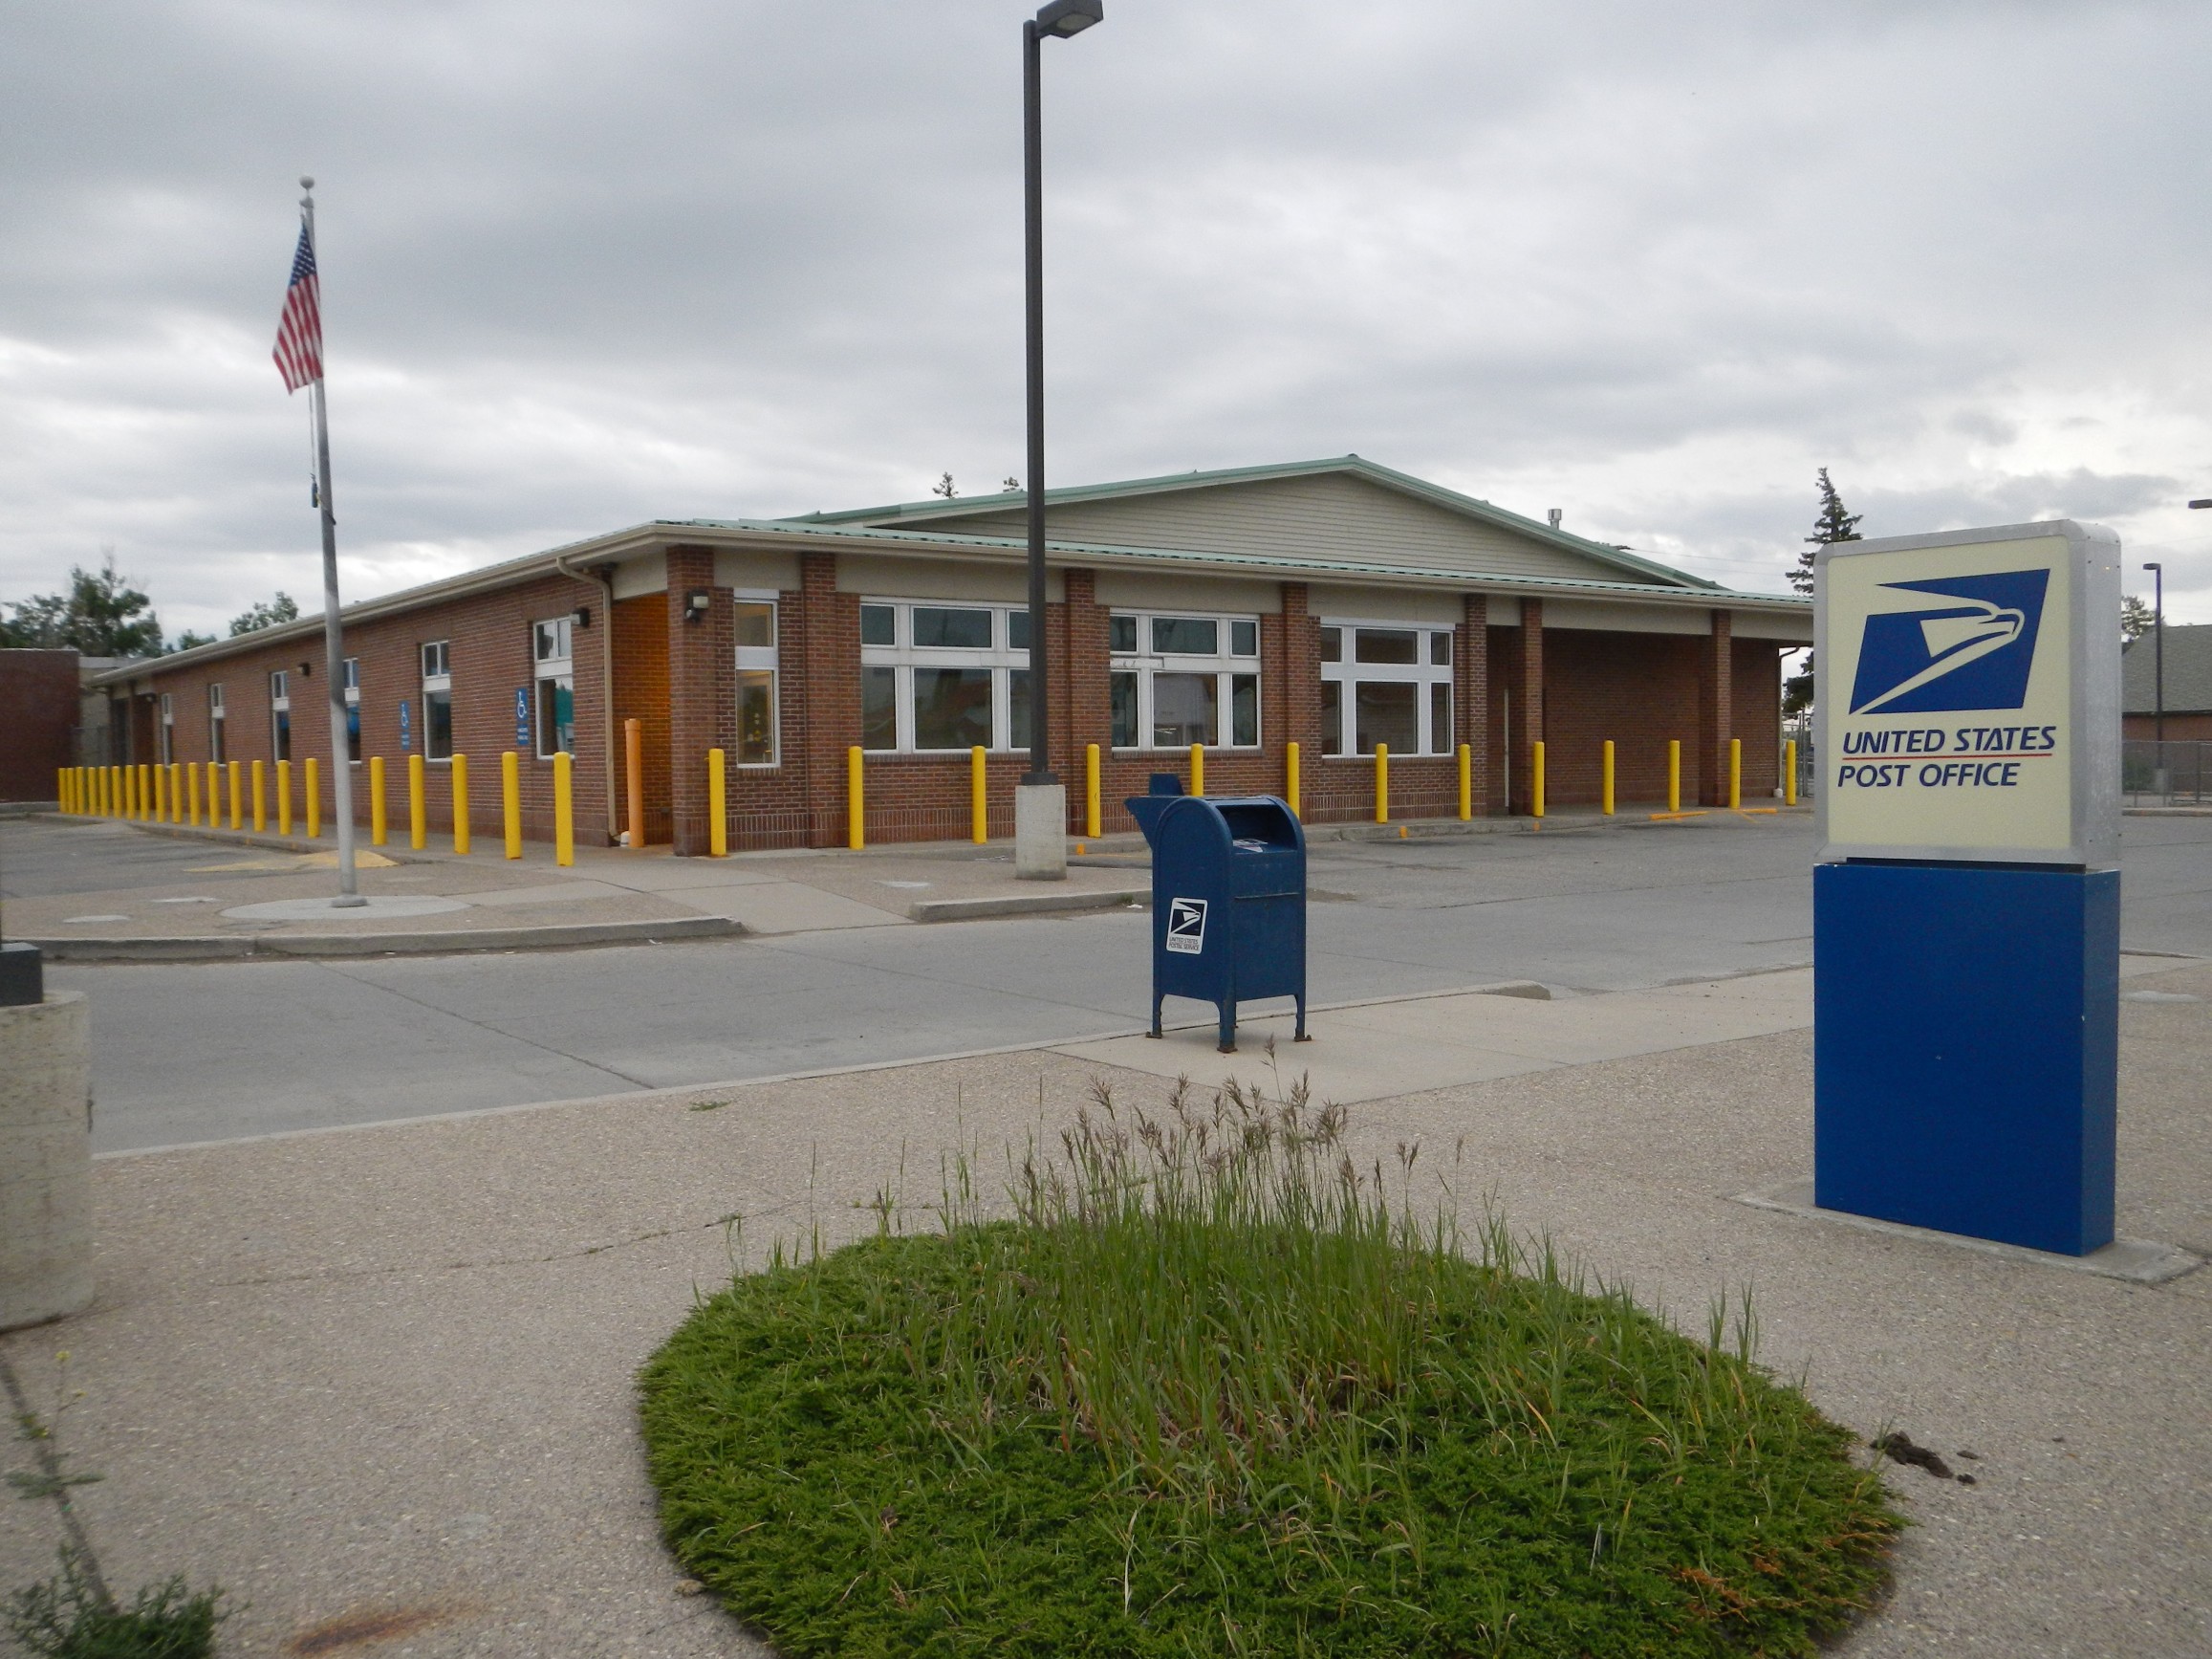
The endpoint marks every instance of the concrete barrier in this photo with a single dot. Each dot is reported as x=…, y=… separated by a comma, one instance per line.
x=45, y=1160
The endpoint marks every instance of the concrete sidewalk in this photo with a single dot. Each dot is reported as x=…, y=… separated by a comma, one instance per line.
x=379, y=1381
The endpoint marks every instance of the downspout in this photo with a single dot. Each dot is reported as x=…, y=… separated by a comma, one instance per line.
x=603, y=577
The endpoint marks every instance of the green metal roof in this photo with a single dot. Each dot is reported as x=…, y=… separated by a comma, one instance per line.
x=1389, y=478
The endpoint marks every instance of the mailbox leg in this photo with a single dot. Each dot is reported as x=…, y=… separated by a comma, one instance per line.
x=1301, y=1035
x=1228, y=1014
x=1156, y=1000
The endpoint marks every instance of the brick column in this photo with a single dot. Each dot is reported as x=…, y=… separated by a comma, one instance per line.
x=1083, y=686
x=1716, y=708
x=1472, y=695
x=692, y=705
x=1526, y=728
x=828, y=659
x=1294, y=683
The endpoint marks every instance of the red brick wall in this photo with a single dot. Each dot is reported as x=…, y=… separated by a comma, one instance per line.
x=1756, y=674
x=1640, y=690
x=38, y=712
x=2192, y=728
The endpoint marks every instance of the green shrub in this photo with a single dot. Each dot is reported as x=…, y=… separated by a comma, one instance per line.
x=1211, y=1390
x=68, y=1618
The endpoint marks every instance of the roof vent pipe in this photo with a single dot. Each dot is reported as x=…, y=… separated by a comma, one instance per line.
x=1554, y=514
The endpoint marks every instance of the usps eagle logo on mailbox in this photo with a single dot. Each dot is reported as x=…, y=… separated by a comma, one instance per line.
x=1974, y=652
x=1187, y=927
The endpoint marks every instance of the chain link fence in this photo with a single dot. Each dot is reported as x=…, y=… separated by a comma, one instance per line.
x=2172, y=774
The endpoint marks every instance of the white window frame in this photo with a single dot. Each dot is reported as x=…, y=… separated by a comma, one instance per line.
x=764, y=659
x=902, y=657
x=559, y=667
x=279, y=702
x=441, y=681
x=1225, y=663
x=1348, y=673
x=218, y=749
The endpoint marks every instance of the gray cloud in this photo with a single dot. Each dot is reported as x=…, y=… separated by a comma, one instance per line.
x=587, y=265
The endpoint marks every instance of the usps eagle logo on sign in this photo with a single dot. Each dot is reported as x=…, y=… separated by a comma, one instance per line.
x=1186, y=926
x=1974, y=652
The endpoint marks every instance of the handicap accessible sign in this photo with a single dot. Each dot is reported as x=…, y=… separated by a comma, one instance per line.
x=1968, y=702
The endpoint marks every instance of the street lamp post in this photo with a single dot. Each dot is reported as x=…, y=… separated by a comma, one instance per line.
x=1041, y=802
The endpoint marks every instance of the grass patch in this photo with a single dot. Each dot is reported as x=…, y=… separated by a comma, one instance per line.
x=1215, y=1391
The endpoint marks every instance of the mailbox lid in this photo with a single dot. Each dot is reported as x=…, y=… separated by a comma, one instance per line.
x=1261, y=823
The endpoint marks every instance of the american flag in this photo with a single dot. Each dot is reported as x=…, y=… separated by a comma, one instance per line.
x=298, y=350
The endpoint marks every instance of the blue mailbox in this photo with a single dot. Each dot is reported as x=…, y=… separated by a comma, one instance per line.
x=1229, y=901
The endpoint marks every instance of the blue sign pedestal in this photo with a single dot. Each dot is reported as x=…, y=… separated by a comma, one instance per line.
x=1965, y=1062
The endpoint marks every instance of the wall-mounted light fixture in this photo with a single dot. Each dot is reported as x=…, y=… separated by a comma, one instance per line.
x=307, y=671
x=582, y=616
x=696, y=603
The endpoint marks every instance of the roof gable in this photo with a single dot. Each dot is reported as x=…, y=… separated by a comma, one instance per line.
x=2188, y=671
x=1346, y=509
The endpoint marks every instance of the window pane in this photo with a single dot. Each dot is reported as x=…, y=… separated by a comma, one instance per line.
x=951, y=706
x=1125, y=703
x=757, y=625
x=353, y=732
x=941, y=629
x=1332, y=644
x=1387, y=645
x=1331, y=716
x=1185, y=636
x=1017, y=630
x=1245, y=708
x=283, y=735
x=878, y=625
x=756, y=717
x=1440, y=718
x=215, y=738
x=1018, y=708
x=1439, y=650
x=438, y=725
x=556, y=717
x=1182, y=710
x=1243, y=639
x=1386, y=714
x=878, y=708
x=1121, y=634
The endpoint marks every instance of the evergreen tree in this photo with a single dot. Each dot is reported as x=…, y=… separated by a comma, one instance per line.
x=101, y=615
x=1833, y=525
x=265, y=615
x=943, y=487
x=2136, y=617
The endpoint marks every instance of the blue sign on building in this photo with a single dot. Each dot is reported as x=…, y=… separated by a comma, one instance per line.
x=404, y=734
x=522, y=718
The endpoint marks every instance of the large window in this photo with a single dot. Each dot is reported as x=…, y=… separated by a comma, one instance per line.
x=941, y=677
x=280, y=714
x=552, y=646
x=436, y=701
x=1386, y=684
x=756, y=680
x=1180, y=680
x=215, y=748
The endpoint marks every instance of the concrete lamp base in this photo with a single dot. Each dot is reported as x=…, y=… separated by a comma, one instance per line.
x=45, y=1160
x=1041, y=832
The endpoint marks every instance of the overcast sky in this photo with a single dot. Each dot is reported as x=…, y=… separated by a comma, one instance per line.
x=585, y=265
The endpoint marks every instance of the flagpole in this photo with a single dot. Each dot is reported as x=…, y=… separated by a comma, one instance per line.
x=333, y=633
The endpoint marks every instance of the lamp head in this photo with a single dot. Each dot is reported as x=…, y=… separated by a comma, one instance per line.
x=1065, y=17
x=2154, y=566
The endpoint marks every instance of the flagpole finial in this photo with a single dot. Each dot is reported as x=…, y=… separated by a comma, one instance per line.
x=306, y=182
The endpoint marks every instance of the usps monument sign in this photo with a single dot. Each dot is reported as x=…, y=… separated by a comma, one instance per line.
x=1967, y=902
x=1969, y=703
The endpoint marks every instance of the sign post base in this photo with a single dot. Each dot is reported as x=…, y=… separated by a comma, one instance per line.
x=1967, y=1036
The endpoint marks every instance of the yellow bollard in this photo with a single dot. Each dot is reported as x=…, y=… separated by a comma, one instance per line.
x=192, y=785
x=1382, y=783
x=161, y=794
x=284, y=797
x=1197, y=769
x=177, y=769
x=510, y=800
x=564, y=811
x=1536, y=779
x=1467, y=781
x=418, y=817
x=146, y=791
x=61, y=788
x=1605, y=781
x=1790, y=773
x=978, y=796
x=634, y=761
x=237, y=802
x=214, y=795
x=1091, y=804
x=260, y=802
x=460, y=789
x=314, y=792
x=1675, y=775
x=1735, y=775
x=380, y=824
x=855, y=802
x=717, y=804
x=130, y=791
x=1291, y=778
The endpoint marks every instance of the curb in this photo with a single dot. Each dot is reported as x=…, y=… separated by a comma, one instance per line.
x=1024, y=904
x=458, y=942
